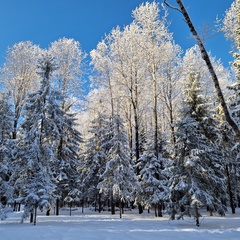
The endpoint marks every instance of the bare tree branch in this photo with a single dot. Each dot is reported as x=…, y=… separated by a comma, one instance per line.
x=170, y=6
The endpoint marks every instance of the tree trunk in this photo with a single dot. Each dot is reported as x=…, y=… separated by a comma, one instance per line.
x=197, y=215
x=140, y=208
x=48, y=212
x=211, y=70
x=211, y=212
x=14, y=133
x=99, y=203
x=112, y=205
x=155, y=116
x=31, y=217
x=120, y=208
x=35, y=216
x=230, y=192
x=159, y=207
x=57, y=206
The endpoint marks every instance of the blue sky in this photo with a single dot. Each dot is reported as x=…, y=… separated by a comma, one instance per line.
x=87, y=21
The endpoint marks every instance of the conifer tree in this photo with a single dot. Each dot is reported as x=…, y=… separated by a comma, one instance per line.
x=40, y=138
x=152, y=179
x=118, y=179
x=231, y=159
x=95, y=159
x=197, y=175
x=7, y=149
x=66, y=162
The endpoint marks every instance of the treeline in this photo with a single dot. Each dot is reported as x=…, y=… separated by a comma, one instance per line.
x=149, y=133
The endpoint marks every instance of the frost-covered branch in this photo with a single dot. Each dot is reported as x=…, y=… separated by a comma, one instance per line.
x=207, y=60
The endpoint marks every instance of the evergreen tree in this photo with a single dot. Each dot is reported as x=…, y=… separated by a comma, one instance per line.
x=231, y=28
x=7, y=149
x=231, y=159
x=95, y=159
x=152, y=179
x=118, y=180
x=40, y=137
x=66, y=164
x=197, y=175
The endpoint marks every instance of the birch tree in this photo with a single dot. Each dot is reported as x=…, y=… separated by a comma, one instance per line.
x=68, y=77
x=19, y=77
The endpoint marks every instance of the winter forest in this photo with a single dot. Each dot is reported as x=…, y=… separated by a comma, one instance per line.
x=149, y=132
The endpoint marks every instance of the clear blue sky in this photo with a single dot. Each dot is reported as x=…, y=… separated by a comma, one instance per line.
x=87, y=21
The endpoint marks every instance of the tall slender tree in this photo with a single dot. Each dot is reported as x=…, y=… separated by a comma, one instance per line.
x=40, y=139
x=6, y=149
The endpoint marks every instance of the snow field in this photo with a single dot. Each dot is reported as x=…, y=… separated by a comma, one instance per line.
x=104, y=226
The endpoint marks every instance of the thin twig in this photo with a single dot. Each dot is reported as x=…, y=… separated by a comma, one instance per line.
x=170, y=6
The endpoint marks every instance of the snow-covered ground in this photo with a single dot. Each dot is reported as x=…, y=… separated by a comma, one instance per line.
x=104, y=226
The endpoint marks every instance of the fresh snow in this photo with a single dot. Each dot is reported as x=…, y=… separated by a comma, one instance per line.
x=104, y=226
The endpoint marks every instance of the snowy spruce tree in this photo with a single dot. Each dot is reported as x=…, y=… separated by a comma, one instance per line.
x=95, y=159
x=7, y=150
x=65, y=166
x=40, y=137
x=119, y=180
x=231, y=160
x=231, y=29
x=152, y=179
x=196, y=173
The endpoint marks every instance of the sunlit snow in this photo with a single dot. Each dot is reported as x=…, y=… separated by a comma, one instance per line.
x=104, y=226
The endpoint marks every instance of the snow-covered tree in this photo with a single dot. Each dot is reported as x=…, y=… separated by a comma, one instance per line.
x=206, y=58
x=95, y=159
x=118, y=180
x=192, y=59
x=230, y=23
x=66, y=163
x=40, y=132
x=68, y=77
x=19, y=77
x=152, y=179
x=232, y=19
x=6, y=149
x=231, y=159
x=196, y=173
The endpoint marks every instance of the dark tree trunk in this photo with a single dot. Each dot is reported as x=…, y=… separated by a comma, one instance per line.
x=99, y=203
x=48, y=212
x=159, y=207
x=230, y=192
x=14, y=206
x=57, y=206
x=31, y=217
x=112, y=205
x=197, y=215
x=15, y=123
x=140, y=208
x=35, y=216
